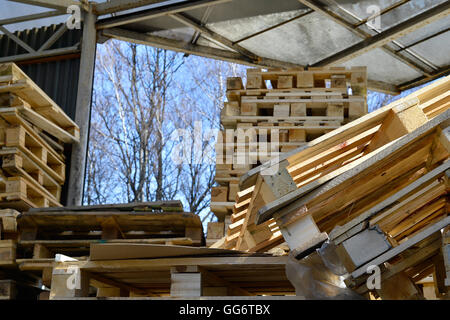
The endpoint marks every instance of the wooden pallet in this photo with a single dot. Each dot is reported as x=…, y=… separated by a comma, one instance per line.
x=305, y=172
x=243, y=234
x=13, y=80
x=18, y=134
x=16, y=163
x=22, y=194
x=71, y=230
x=297, y=107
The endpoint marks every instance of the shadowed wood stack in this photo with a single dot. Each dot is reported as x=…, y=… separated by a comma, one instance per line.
x=278, y=111
x=33, y=130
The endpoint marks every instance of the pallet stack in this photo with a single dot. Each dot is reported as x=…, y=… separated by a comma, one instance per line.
x=33, y=130
x=375, y=191
x=278, y=111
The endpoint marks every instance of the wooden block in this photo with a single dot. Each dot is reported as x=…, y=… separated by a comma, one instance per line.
x=215, y=230
x=358, y=82
x=338, y=81
x=249, y=109
x=44, y=295
x=215, y=291
x=108, y=292
x=356, y=110
x=234, y=83
x=305, y=79
x=77, y=279
x=219, y=194
x=242, y=166
x=7, y=252
x=335, y=110
x=8, y=218
x=255, y=81
x=244, y=125
x=196, y=234
x=233, y=190
x=399, y=287
x=281, y=110
x=186, y=285
x=232, y=108
x=47, y=277
x=364, y=246
x=298, y=109
x=222, y=166
x=297, y=135
x=396, y=124
x=299, y=232
x=284, y=82
x=41, y=252
x=8, y=290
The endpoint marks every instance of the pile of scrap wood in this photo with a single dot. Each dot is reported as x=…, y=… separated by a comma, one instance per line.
x=277, y=111
x=33, y=130
x=146, y=270
x=375, y=188
x=40, y=234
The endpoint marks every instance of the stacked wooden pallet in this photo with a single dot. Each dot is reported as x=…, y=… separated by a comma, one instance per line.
x=377, y=188
x=38, y=235
x=33, y=130
x=279, y=111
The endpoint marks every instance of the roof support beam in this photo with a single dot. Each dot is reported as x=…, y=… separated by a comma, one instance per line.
x=17, y=40
x=155, y=12
x=387, y=36
x=121, y=5
x=417, y=82
x=41, y=54
x=29, y=17
x=52, y=4
x=316, y=6
x=83, y=110
x=187, y=47
x=53, y=38
x=190, y=22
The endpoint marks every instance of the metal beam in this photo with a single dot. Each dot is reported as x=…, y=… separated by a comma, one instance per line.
x=41, y=54
x=156, y=12
x=120, y=5
x=187, y=47
x=207, y=33
x=318, y=7
x=274, y=26
x=83, y=110
x=384, y=87
x=16, y=39
x=422, y=80
x=29, y=17
x=387, y=36
x=53, y=38
x=52, y=4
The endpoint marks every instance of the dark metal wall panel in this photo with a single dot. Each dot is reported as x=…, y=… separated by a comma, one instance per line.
x=57, y=75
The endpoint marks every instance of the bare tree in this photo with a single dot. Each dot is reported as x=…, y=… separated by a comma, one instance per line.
x=142, y=96
x=130, y=110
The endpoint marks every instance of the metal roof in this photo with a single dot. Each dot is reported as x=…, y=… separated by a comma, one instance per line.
x=409, y=45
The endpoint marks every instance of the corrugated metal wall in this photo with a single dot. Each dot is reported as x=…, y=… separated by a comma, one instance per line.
x=57, y=76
